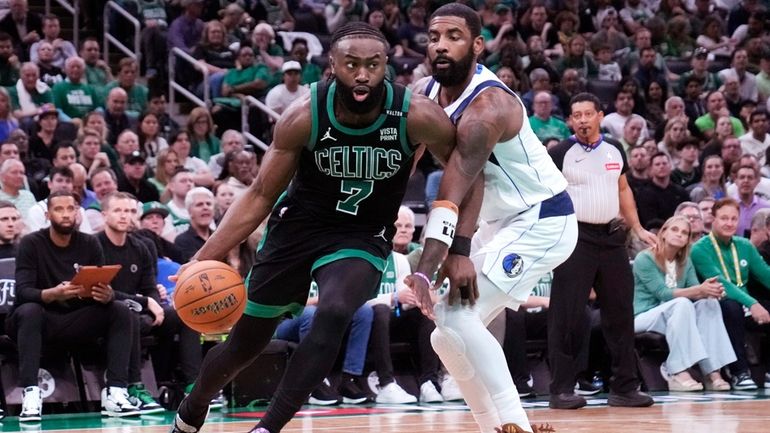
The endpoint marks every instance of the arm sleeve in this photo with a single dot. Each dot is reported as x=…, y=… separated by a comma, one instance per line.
x=650, y=278
x=26, y=273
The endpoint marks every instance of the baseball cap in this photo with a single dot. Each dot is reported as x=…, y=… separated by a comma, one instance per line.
x=700, y=52
x=502, y=8
x=152, y=207
x=135, y=156
x=291, y=65
x=45, y=110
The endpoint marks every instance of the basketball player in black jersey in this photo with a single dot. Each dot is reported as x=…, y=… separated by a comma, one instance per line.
x=345, y=153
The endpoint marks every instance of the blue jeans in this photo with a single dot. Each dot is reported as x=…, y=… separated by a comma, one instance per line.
x=355, y=353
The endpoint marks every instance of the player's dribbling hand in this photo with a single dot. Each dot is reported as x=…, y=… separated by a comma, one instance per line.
x=421, y=290
x=462, y=279
x=180, y=271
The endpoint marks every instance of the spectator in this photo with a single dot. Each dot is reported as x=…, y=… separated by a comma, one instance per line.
x=632, y=133
x=659, y=198
x=167, y=164
x=693, y=104
x=104, y=181
x=638, y=167
x=62, y=49
x=732, y=93
x=740, y=14
x=49, y=73
x=240, y=169
x=7, y=122
x=79, y=177
x=224, y=196
x=642, y=40
x=564, y=26
x=186, y=30
x=706, y=206
x=232, y=17
x=45, y=300
x=747, y=179
x=654, y=96
x=718, y=255
x=678, y=43
x=757, y=140
x=28, y=94
x=9, y=62
x=543, y=123
x=215, y=54
x=609, y=70
x=686, y=173
x=709, y=81
x=98, y=73
x=340, y=12
x=712, y=182
x=403, y=238
x=310, y=71
x=712, y=39
x=133, y=179
x=614, y=123
x=179, y=184
x=60, y=179
x=267, y=50
x=716, y=107
x=180, y=142
x=609, y=32
x=10, y=231
x=12, y=176
x=89, y=151
x=126, y=145
x=246, y=79
x=575, y=58
x=128, y=68
x=760, y=235
x=116, y=115
x=281, y=96
x=200, y=131
x=571, y=84
x=154, y=36
x=647, y=72
x=692, y=212
x=150, y=141
x=603, y=255
x=25, y=27
x=763, y=187
x=414, y=33
x=669, y=300
x=748, y=81
x=75, y=97
x=634, y=14
x=763, y=77
x=231, y=140
x=199, y=203
x=674, y=133
x=539, y=80
x=157, y=106
x=536, y=58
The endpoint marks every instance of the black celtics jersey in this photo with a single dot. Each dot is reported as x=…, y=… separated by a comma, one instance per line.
x=355, y=176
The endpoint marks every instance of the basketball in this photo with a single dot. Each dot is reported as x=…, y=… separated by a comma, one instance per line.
x=210, y=297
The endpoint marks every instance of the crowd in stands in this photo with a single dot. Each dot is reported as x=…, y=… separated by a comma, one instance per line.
x=94, y=170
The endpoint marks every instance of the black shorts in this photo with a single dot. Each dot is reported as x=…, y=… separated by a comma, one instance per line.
x=294, y=245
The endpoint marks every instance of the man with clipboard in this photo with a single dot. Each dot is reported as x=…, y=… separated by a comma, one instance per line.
x=50, y=309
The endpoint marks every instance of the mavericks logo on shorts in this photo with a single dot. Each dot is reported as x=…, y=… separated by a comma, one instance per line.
x=513, y=264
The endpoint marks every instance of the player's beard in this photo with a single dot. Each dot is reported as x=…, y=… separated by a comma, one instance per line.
x=62, y=229
x=457, y=71
x=344, y=94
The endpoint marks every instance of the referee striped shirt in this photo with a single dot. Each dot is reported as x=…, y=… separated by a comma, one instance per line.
x=592, y=173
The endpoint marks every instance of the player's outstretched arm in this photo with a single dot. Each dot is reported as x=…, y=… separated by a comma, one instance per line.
x=278, y=167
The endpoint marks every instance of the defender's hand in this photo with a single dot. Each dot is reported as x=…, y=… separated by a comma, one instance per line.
x=462, y=279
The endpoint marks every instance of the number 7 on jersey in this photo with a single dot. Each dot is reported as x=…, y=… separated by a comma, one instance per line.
x=359, y=190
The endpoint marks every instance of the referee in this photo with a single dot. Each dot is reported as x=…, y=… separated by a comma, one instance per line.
x=595, y=168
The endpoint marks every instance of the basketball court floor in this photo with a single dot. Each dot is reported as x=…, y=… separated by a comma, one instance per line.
x=673, y=413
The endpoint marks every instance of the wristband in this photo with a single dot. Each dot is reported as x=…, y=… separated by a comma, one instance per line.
x=461, y=246
x=424, y=277
x=442, y=221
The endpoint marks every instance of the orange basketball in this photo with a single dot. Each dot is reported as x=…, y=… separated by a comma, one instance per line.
x=210, y=297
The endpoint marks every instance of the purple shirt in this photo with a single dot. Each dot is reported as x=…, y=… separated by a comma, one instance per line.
x=185, y=33
x=747, y=213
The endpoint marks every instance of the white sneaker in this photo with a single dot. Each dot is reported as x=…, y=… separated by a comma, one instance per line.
x=449, y=389
x=394, y=394
x=429, y=393
x=115, y=403
x=31, y=405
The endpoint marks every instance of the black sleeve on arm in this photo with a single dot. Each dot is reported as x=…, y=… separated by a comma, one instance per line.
x=26, y=272
x=559, y=151
x=148, y=274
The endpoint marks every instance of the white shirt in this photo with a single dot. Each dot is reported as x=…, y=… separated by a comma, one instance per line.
x=751, y=145
x=279, y=97
x=36, y=219
x=748, y=84
x=614, y=123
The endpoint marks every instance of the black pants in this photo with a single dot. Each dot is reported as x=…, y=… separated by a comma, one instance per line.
x=343, y=287
x=177, y=345
x=410, y=326
x=736, y=324
x=32, y=325
x=599, y=262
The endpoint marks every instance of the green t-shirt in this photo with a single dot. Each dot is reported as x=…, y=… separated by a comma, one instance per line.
x=37, y=98
x=750, y=263
x=235, y=77
x=75, y=100
x=137, y=98
x=8, y=74
x=204, y=149
x=311, y=73
x=96, y=76
x=553, y=128
x=705, y=122
x=650, y=288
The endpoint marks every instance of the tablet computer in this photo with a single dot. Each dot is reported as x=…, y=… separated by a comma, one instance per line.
x=89, y=276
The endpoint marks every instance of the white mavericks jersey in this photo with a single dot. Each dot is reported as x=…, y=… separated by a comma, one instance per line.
x=519, y=173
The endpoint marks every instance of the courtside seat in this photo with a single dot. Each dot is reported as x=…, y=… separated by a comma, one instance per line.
x=652, y=351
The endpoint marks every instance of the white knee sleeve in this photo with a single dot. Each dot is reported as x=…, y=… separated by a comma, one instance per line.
x=451, y=349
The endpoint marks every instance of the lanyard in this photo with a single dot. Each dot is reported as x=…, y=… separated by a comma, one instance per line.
x=722, y=260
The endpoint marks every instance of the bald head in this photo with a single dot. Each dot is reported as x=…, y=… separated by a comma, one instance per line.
x=117, y=100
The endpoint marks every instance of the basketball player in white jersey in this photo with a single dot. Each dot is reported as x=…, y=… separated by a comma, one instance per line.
x=527, y=226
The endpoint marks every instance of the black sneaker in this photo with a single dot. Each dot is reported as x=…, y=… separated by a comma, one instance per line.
x=324, y=395
x=566, y=401
x=743, y=382
x=524, y=390
x=586, y=387
x=352, y=393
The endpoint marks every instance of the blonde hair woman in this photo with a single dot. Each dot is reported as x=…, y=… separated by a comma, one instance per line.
x=200, y=131
x=669, y=300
